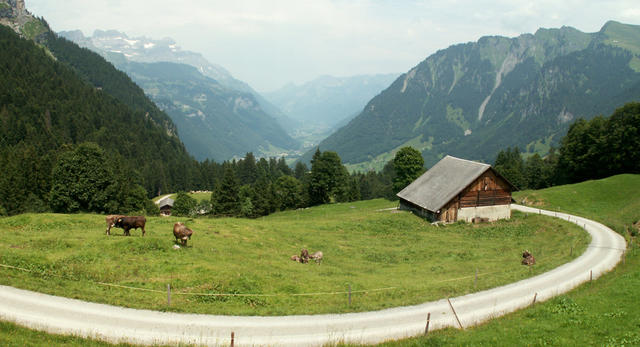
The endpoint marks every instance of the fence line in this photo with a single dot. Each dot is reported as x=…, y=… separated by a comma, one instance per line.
x=206, y=294
x=245, y=294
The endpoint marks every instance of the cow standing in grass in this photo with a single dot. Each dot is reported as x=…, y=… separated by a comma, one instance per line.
x=128, y=223
x=111, y=221
x=182, y=233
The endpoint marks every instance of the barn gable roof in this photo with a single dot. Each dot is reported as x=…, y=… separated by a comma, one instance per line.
x=436, y=187
x=165, y=202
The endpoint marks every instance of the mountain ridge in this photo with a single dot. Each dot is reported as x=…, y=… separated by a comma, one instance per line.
x=232, y=118
x=473, y=99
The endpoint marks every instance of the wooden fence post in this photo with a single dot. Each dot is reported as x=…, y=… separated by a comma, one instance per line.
x=349, y=294
x=534, y=298
x=233, y=335
x=426, y=328
x=168, y=294
x=455, y=314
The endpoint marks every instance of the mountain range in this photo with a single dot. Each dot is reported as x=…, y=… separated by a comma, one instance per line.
x=472, y=100
x=218, y=117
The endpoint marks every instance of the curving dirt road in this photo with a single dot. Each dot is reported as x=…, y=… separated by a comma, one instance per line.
x=116, y=324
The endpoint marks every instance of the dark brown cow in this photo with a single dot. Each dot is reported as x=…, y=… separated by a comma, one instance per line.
x=111, y=221
x=528, y=258
x=304, y=256
x=182, y=233
x=128, y=223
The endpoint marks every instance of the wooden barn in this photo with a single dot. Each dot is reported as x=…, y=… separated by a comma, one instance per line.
x=456, y=189
x=165, y=205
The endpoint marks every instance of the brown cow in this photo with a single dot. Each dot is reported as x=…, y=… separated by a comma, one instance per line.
x=127, y=223
x=528, y=258
x=182, y=233
x=111, y=221
x=304, y=256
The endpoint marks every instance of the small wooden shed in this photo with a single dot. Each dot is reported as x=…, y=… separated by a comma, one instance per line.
x=165, y=205
x=457, y=189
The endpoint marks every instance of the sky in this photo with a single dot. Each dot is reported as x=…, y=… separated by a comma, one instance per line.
x=269, y=43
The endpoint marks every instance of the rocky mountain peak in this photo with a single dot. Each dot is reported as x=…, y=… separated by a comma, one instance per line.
x=14, y=14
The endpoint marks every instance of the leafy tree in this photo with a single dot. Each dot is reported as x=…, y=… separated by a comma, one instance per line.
x=509, y=164
x=81, y=180
x=184, y=205
x=288, y=192
x=409, y=165
x=328, y=178
x=602, y=146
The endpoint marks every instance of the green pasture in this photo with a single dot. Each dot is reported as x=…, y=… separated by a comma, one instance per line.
x=389, y=258
x=602, y=313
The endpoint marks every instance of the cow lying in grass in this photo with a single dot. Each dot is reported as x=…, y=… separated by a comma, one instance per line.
x=111, y=221
x=305, y=256
x=182, y=233
x=317, y=257
x=528, y=258
x=128, y=223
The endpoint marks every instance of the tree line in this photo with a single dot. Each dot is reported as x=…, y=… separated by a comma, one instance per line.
x=593, y=149
x=252, y=187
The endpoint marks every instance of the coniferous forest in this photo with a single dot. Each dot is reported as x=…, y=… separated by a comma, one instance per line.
x=60, y=102
x=77, y=135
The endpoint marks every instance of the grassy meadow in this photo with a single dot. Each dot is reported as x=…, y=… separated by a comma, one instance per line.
x=410, y=260
x=602, y=313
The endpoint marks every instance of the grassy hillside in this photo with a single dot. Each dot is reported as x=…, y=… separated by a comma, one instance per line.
x=364, y=247
x=614, y=201
x=602, y=313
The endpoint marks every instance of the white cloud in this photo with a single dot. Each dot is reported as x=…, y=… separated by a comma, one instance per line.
x=270, y=43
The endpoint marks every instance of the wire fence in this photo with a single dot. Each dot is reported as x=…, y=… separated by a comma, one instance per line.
x=474, y=276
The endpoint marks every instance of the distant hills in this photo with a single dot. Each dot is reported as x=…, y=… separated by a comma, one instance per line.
x=328, y=102
x=218, y=116
x=471, y=100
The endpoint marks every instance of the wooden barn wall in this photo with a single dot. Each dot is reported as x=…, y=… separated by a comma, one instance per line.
x=487, y=190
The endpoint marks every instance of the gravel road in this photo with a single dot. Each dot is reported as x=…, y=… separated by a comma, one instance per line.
x=117, y=324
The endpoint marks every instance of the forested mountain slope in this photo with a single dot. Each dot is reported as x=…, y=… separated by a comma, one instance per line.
x=47, y=104
x=218, y=116
x=213, y=121
x=471, y=100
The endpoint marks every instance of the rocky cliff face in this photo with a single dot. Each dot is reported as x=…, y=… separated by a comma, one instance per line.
x=14, y=14
x=473, y=99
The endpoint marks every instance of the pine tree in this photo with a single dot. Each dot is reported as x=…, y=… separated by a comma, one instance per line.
x=226, y=198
